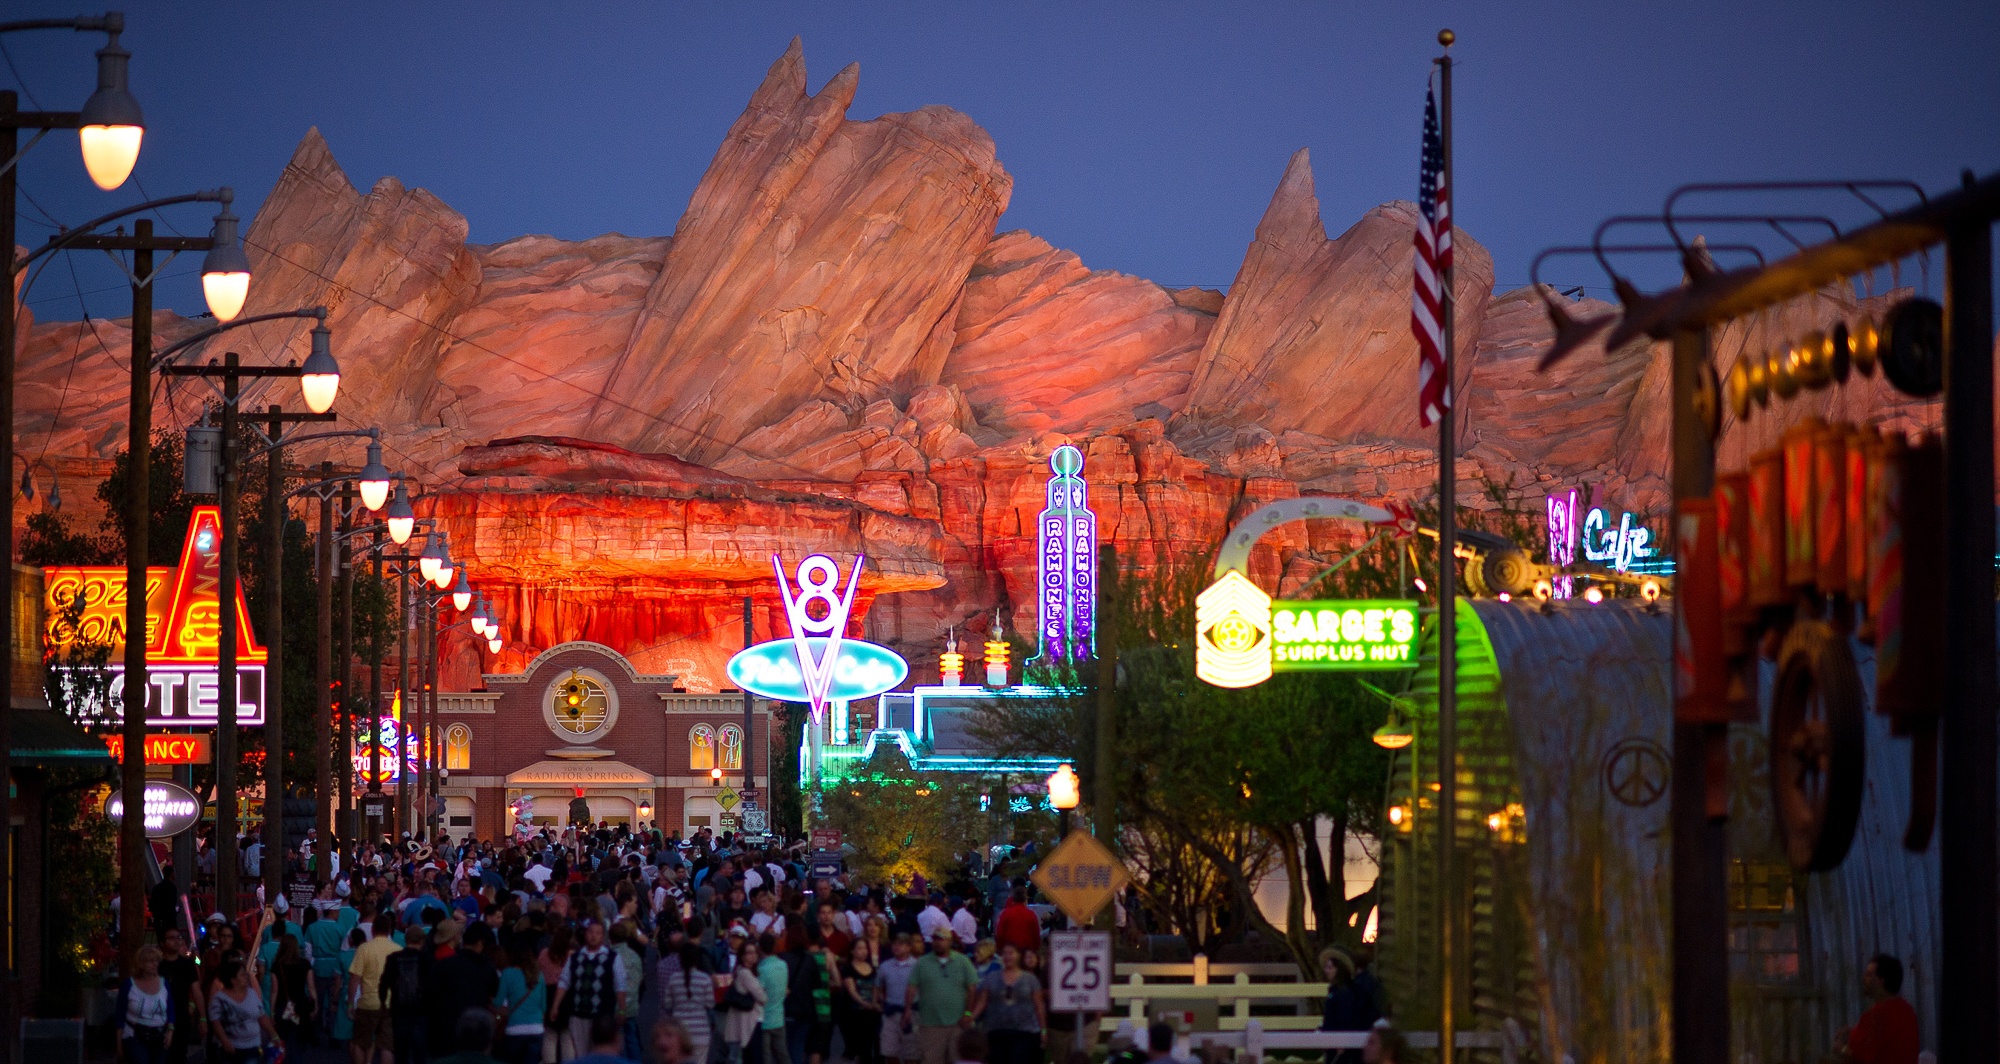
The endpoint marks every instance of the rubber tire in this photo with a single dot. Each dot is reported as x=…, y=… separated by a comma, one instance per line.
x=1815, y=659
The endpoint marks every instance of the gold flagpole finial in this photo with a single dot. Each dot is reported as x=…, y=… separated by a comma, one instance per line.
x=1446, y=37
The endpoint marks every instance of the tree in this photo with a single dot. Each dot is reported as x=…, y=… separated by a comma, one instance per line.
x=1219, y=787
x=903, y=823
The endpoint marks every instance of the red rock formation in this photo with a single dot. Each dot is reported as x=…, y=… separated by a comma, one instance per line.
x=835, y=352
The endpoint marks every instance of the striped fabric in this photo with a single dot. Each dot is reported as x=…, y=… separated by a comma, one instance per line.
x=1433, y=258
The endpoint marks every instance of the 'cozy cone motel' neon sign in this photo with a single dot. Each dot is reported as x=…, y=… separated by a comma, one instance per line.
x=183, y=631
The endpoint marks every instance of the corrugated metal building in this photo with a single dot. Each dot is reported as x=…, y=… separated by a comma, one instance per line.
x=1565, y=722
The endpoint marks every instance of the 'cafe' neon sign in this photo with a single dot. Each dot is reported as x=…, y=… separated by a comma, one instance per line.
x=1616, y=547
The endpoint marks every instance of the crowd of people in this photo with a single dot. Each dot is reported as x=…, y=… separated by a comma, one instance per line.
x=538, y=950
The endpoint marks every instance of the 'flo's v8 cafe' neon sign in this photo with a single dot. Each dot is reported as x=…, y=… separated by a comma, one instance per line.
x=1614, y=546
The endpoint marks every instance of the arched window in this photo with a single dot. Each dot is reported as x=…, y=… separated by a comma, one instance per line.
x=701, y=747
x=458, y=748
x=732, y=747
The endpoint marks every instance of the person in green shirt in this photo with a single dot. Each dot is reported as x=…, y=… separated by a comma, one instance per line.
x=940, y=986
x=776, y=976
x=323, y=938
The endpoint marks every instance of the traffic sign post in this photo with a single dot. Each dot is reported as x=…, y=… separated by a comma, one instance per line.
x=1081, y=876
x=1080, y=971
x=1081, y=977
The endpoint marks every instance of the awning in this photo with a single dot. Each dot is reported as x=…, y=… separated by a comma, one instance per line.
x=45, y=737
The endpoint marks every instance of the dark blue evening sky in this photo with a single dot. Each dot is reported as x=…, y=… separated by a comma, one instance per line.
x=1145, y=136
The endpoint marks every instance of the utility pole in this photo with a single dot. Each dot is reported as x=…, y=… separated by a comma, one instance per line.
x=323, y=749
x=274, y=676
x=375, y=826
x=227, y=687
x=749, y=720
x=139, y=476
x=403, y=622
x=345, y=656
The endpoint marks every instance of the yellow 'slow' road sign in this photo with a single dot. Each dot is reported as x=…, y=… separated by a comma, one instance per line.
x=1081, y=876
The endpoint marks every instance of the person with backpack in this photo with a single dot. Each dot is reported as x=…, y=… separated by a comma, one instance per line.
x=592, y=983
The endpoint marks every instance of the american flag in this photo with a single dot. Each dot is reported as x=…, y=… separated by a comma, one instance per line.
x=1432, y=260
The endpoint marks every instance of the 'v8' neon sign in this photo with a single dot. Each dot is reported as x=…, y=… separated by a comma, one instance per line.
x=819, y=663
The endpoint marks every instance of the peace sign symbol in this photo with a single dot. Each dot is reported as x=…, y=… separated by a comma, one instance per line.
x=1637, y=772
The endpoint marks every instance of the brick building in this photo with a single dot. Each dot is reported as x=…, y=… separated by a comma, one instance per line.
x=580, y=721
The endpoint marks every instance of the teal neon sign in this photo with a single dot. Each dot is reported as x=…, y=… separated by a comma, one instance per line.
x=861, y=669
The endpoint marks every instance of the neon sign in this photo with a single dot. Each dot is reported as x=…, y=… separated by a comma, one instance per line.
x=1562, y=542
x=168, y=809
x=392, y=736
x=166, y=748
x=1619, y=547
x=1068, y=549
x=1232, y=632
x=819, y=663
x=1351, y=634
x=863, y=670
x=183, y=632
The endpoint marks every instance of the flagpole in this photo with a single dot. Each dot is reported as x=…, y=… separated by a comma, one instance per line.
x=1449, y=944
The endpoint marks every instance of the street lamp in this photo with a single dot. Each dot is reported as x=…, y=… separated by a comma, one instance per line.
x=1394, y=735
x=432, y=559
x=110, y=126
x=401, y=516
x=461, y=596
x=445, y=566
x=374, y=479
x=1064, y=793
x=225, y=271
x=319, y=377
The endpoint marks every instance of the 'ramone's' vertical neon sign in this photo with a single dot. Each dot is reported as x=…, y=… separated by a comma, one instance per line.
x=1068, y=542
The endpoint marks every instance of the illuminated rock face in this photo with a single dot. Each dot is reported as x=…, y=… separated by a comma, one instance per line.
x=835, y=351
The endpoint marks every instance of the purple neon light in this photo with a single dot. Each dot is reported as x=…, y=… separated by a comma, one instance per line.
x=1068, y=550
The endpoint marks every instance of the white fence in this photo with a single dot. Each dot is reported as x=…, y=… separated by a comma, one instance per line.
x=1146, y=990
x=1230, y=991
